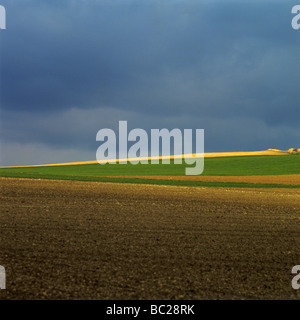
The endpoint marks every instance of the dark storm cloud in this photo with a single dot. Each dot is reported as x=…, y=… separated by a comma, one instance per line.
x=154, y=62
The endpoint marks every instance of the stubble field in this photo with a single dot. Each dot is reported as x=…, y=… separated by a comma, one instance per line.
x=93, y=240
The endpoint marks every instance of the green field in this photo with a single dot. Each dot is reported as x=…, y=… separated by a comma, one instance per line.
x=225, y=166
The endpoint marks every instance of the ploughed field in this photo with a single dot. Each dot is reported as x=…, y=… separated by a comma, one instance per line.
x=90, y=240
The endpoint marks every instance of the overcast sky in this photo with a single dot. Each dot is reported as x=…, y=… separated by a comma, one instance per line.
x=69, y=68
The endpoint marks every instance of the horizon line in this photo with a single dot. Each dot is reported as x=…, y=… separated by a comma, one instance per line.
x=186, y=156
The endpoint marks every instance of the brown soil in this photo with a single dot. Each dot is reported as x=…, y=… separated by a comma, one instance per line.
x=277, y=179
x=91, y=240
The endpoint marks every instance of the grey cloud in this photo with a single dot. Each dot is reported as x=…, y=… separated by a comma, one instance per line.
x=71, y=135
x=69, y=68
